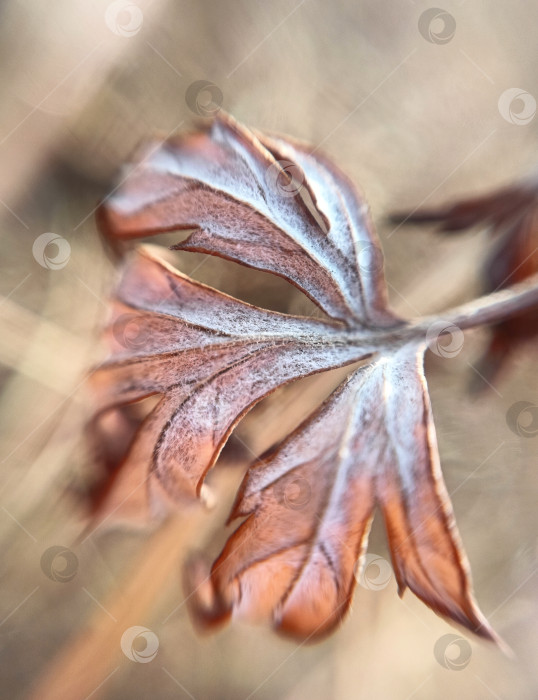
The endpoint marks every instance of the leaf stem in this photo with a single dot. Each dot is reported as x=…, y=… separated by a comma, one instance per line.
x=491, y=308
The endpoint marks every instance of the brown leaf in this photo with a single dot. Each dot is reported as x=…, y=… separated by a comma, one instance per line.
x=207, y=358
x=211, y=356
x=309, y=503
x=511, y=216
x=262, y=207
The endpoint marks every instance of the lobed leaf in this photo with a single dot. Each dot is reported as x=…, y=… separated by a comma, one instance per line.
x=211, y=357
x=293, y=560
x=247, y=202
x=273, y=204
x=510, y=214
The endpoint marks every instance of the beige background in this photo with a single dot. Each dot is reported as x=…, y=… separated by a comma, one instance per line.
x=413, y=122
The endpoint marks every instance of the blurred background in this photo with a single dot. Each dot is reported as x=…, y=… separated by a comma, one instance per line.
x=419, y=106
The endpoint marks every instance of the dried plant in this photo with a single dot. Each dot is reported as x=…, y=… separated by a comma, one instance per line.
x=272, y=204
x=511, y=217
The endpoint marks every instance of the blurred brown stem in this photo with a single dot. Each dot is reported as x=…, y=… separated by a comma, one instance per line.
x=84, y=664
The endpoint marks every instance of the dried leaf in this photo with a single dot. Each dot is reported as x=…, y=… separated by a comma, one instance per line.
x=239, y=195
x=269, y=203
x=212, y=357
x=511, y=216
x=309, y=505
